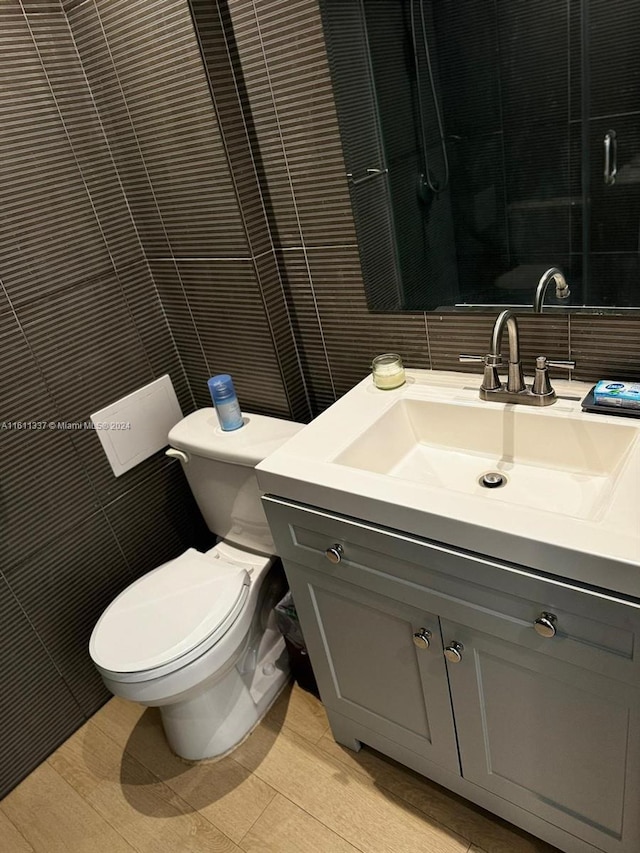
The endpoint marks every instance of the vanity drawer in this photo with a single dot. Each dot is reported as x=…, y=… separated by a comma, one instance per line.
x=593, y=630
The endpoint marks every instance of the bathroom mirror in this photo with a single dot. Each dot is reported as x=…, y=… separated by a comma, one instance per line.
x=487, y=141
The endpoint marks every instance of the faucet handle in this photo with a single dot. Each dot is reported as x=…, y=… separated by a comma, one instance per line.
x=564, y=365
x=488, y=359
x=490, y=380
x=541, y=385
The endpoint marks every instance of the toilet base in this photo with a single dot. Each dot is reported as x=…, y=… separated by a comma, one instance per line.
x=216, y=720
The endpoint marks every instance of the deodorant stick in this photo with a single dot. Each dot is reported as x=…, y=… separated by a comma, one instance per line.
x=225, y=401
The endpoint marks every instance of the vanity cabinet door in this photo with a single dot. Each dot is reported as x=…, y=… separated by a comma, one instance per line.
x=553, y=738
x=368, y=667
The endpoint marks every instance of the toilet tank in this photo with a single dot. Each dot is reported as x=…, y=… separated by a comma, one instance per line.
x=221, y=472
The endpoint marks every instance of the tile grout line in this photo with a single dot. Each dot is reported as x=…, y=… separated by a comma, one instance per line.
x=289, y=394
x=152, y=191
x=90, y=804
x=285, y=157
x=390, y=795
x=363, y=773
x=253, y=822
x=79, y=166
x=157, y=779
x=15, y=826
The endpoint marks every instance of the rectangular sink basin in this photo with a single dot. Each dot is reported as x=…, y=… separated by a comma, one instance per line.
x=564, y=465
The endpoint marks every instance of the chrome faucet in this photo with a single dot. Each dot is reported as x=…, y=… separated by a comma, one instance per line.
x=515, y=391
x=562, y=288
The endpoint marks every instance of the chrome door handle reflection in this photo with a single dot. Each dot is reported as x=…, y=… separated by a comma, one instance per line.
x=610, y=157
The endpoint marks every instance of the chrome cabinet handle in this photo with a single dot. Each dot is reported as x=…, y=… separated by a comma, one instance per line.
x=334, y=554
x=453, y=652
x=610, y=157
x=545, y=624
x=422, y=638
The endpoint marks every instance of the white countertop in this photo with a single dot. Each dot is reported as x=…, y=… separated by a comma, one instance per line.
x=602, y=551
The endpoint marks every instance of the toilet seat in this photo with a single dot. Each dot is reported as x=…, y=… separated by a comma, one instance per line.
x=170, y=616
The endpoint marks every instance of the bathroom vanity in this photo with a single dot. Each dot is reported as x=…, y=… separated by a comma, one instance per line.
x=486, y=637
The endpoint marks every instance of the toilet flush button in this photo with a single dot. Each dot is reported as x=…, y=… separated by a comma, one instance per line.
x=268, y=669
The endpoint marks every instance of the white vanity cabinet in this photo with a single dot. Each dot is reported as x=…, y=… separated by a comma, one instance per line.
x=432, y=656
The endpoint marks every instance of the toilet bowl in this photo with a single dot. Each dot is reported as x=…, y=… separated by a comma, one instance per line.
x=196, y=637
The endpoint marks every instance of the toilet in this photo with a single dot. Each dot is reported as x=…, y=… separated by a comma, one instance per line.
x=196, y=637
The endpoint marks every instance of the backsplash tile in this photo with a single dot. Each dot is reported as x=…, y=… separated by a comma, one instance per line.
x=605, y=347
x=452, y=335
x=353, y=335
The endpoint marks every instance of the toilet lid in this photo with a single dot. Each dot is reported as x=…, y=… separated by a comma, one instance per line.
x=168, y=612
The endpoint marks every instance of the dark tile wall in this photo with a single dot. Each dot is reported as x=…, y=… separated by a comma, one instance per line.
x=80, y=326
x=285, y=71
x=181, y=148
x=133, y=197
x=116, y=168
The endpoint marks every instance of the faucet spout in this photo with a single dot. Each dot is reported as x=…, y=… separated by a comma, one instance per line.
x=540, y=393
x=562, y=288
x=506, y=318
x=515, y=380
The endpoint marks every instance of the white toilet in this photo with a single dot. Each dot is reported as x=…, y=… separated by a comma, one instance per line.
x=196, y=637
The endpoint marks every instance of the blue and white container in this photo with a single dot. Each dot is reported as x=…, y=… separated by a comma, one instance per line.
x=626, y=395
x=225, y=401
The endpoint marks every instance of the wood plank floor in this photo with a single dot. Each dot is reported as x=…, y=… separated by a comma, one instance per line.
x=289, y=788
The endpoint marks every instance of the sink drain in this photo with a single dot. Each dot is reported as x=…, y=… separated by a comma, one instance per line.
x=492, y=480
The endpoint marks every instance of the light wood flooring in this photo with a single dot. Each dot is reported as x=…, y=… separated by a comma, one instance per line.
x=115, y=787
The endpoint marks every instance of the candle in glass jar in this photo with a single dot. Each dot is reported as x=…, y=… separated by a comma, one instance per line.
x=388, y=371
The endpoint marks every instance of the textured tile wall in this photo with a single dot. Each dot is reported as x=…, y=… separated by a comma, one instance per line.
x=281, y=48
x=80, y=325
x=187, y=172
x=120, y=166
x=228, y=92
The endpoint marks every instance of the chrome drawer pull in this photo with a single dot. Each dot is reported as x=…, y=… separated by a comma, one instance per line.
x=422, y=638
x=545, y=624
x=334, y=553
x=453, y=652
